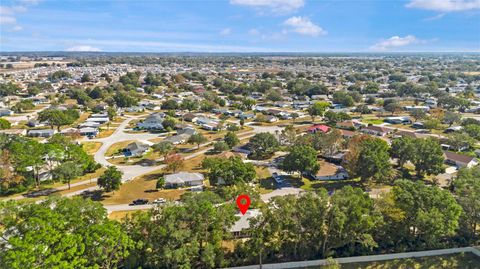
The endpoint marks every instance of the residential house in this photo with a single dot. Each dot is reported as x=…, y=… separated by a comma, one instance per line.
x=5, y=112
x=100, y=120
x=189, y=117
x=183, y=179
x=152, y=122
x=88, y=131
x=135, y=149
x=41, y=133
x=240, y=227
x=318, y=128
x=334, y=172
x=398, y=120
x=177, y=139
x=460, y=160
x=376, y=130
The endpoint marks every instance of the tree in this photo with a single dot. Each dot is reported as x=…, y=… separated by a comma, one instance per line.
x=28, y=153
x=169, y=123
x=174, y=162
x=85, y=78
x=294, y=116
x=57, y=117
x=418, y=114
x=189, y=235
x=220, y=146
x=170, y=105
x=163, y=147
x=160, y=183
x=363, y=109
x=229, y=171
x=197, y=139
x=351, y=221
x=318, y=109
x=451, y=117
x=403, y=149
x=263, y=145
x=431, y=124
x=302, y=159
x=393, y=107
x=111, y=179
x=67, y=171
x=428, y=157
x=112, y=113
x=4, y=124
x=418, y=216
x=288, y=135
x=467, y=191
x=231, y=139
x=369, y=159
x=123, y=99
x=61, y=233
x=473, y=130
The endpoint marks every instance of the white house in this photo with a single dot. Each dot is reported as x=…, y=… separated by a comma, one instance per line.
x=183, y=179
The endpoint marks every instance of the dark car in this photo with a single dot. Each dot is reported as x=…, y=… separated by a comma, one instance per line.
x=140, y=202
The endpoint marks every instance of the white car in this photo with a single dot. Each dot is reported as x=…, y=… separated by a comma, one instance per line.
x=159, y=201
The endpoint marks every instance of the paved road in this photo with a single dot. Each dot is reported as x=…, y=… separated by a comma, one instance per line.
x=132, y=171
x=127, y=207
x=24, y=116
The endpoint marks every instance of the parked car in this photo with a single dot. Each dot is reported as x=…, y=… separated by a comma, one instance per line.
x=423, y=131
x=159, y=201
x=139, y=202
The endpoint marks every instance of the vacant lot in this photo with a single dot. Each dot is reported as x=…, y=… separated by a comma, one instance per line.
x=91, y=147
x=143, y=187
x=460, y=261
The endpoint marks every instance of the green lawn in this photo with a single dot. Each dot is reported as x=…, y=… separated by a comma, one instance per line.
x=454, y=261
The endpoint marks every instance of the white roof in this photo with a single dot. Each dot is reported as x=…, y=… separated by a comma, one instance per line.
x=244, y=221
x=183, y=177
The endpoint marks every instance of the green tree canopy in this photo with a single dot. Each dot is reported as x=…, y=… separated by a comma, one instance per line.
x=263, y=145
x=60, y=233
x=111, y=179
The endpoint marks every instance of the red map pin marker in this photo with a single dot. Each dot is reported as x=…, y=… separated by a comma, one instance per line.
x=243, y=203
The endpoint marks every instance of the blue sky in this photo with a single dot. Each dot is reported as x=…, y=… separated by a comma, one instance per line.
x=240, y=25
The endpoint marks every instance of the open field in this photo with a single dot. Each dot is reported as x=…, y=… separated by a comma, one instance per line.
x=105, y=133
x=143, y=187
x=91, y=147
x=454, y=261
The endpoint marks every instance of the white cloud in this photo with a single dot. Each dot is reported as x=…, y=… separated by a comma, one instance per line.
x=276, y=6
x=253, y=32
x=226, y=31
x=7, y=20
x=445, y=5
x=83, y=48
x=304, y=26
x=8, y=14
x=436, y=17
x=395, y=42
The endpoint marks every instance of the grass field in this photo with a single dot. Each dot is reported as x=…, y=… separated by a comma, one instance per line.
x=106, y=133
x=91, y=147
x=454, y=261
x=113, y=149
x=143, y=187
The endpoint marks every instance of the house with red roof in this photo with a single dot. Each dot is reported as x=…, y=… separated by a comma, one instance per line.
x=318, y=128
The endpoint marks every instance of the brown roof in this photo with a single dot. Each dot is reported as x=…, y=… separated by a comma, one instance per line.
x=347, y=133
x=377, y=129
x=458, y=157
x=347, y=124
x=410, y=134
